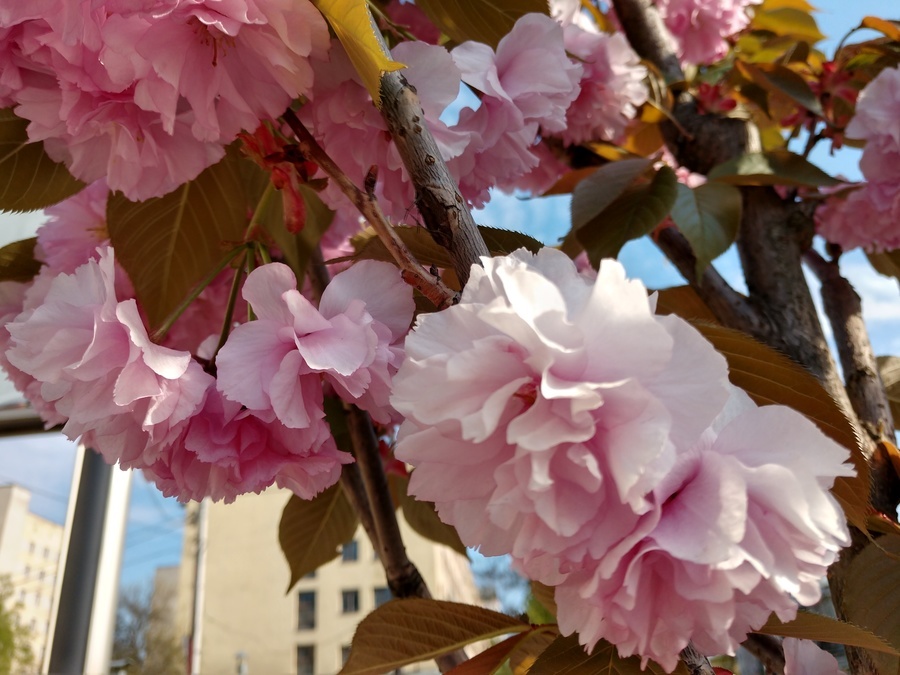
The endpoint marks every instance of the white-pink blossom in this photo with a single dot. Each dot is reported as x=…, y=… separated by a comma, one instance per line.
x=75, y=230
x=744, y=523
x=601, y=446
x=562, y=404
x=700, y=27
x=274, y=365
x=875, y=122
x=805, y=657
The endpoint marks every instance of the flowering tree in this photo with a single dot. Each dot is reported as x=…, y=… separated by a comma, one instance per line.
x=674, y=471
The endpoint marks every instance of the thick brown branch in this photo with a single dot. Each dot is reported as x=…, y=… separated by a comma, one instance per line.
x=729, y=306
x=413, y=273
x=403, y=577
x=648, y=36
x=864, y=386
x=443, y=209
x=768, y=650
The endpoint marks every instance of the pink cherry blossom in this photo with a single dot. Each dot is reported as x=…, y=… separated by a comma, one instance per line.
x=805, y=657
x=561, y=407
x=273, y=365
x=701, y=26
x=529, y=71
x=612, y=87
x=226, y=451
x=76, y=227
x=744, y=521
x=876, y=122
x=866, y=217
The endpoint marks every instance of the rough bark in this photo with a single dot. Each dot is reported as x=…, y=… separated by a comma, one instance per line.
x=443, y=209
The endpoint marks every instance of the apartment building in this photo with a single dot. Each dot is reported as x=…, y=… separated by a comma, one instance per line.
x=30, y=548
x=252, y=625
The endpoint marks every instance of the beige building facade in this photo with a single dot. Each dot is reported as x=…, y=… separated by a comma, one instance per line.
x=30, y=549
x=252, y=625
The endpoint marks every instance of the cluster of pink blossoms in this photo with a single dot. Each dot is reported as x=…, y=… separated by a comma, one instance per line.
x=603, y=447
x=700, y=27
x=869, y=217
x=147, y=94
x=529, y=89
x=74, y=342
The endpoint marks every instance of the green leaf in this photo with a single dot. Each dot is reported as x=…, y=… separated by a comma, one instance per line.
x=636, y=212
x=775, y=77
x=788, y=21
x=169, y=244
x=409, y=630
x=889, y=370
x=355, y=28
x=29, y=179
x=484, y=21
x=422, y=518
x=708, y=216
x=17, y=261
x=566, y=657
x=683, y=301
x=871, y=597
x=809, y=626
x=312, y=531
x=490, y=660
x=597, y=190
x=776, y=167
x=769, y=377
x=428, y=252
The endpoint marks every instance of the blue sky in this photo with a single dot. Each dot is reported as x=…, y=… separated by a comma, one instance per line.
x=43, y=462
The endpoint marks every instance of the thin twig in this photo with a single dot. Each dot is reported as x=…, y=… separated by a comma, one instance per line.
x=695, y=662
x=413, y=273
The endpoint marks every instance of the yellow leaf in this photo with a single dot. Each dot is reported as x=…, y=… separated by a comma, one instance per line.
x=802, y=5
x=356, y=30
x=889, y=28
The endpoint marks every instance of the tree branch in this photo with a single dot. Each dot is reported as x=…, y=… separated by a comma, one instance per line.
x=695, y=662
x=768, y=650
x=413, y=273
x=403, y=577
x=864, y=386
x=443, y=209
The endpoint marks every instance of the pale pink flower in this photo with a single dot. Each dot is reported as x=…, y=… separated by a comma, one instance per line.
x=867, y=217
x=273, y=365
x=805, y=657
x=743, y=521
x=414, y=20
x=76, y=227
x=227, y=451
x=701, y=26
x=875, y=121
x=234, y=63
x=612, y=86
x=562, y=405
x=530, y=71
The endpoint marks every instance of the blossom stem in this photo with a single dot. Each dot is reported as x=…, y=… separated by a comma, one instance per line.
x=261, y=207
x=413, y=272
x=166, y=326
x=229, y=309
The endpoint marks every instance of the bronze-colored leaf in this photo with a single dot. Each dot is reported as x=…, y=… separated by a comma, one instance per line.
x=312, y=530
x=484, y=21
x=566, y=657
x=410, y=630
x=29, y=179
x=809, y=626
x=17, y=261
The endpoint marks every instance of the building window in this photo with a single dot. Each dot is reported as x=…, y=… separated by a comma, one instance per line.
x=350, y=601
x=345, y=654
x=31, y=547
x=382, y=595
x=310, y=575
x=27, y=571
x=307, y=610
x=350, y=552
x=46, y=553
x=41, y=575
x=306, y=660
